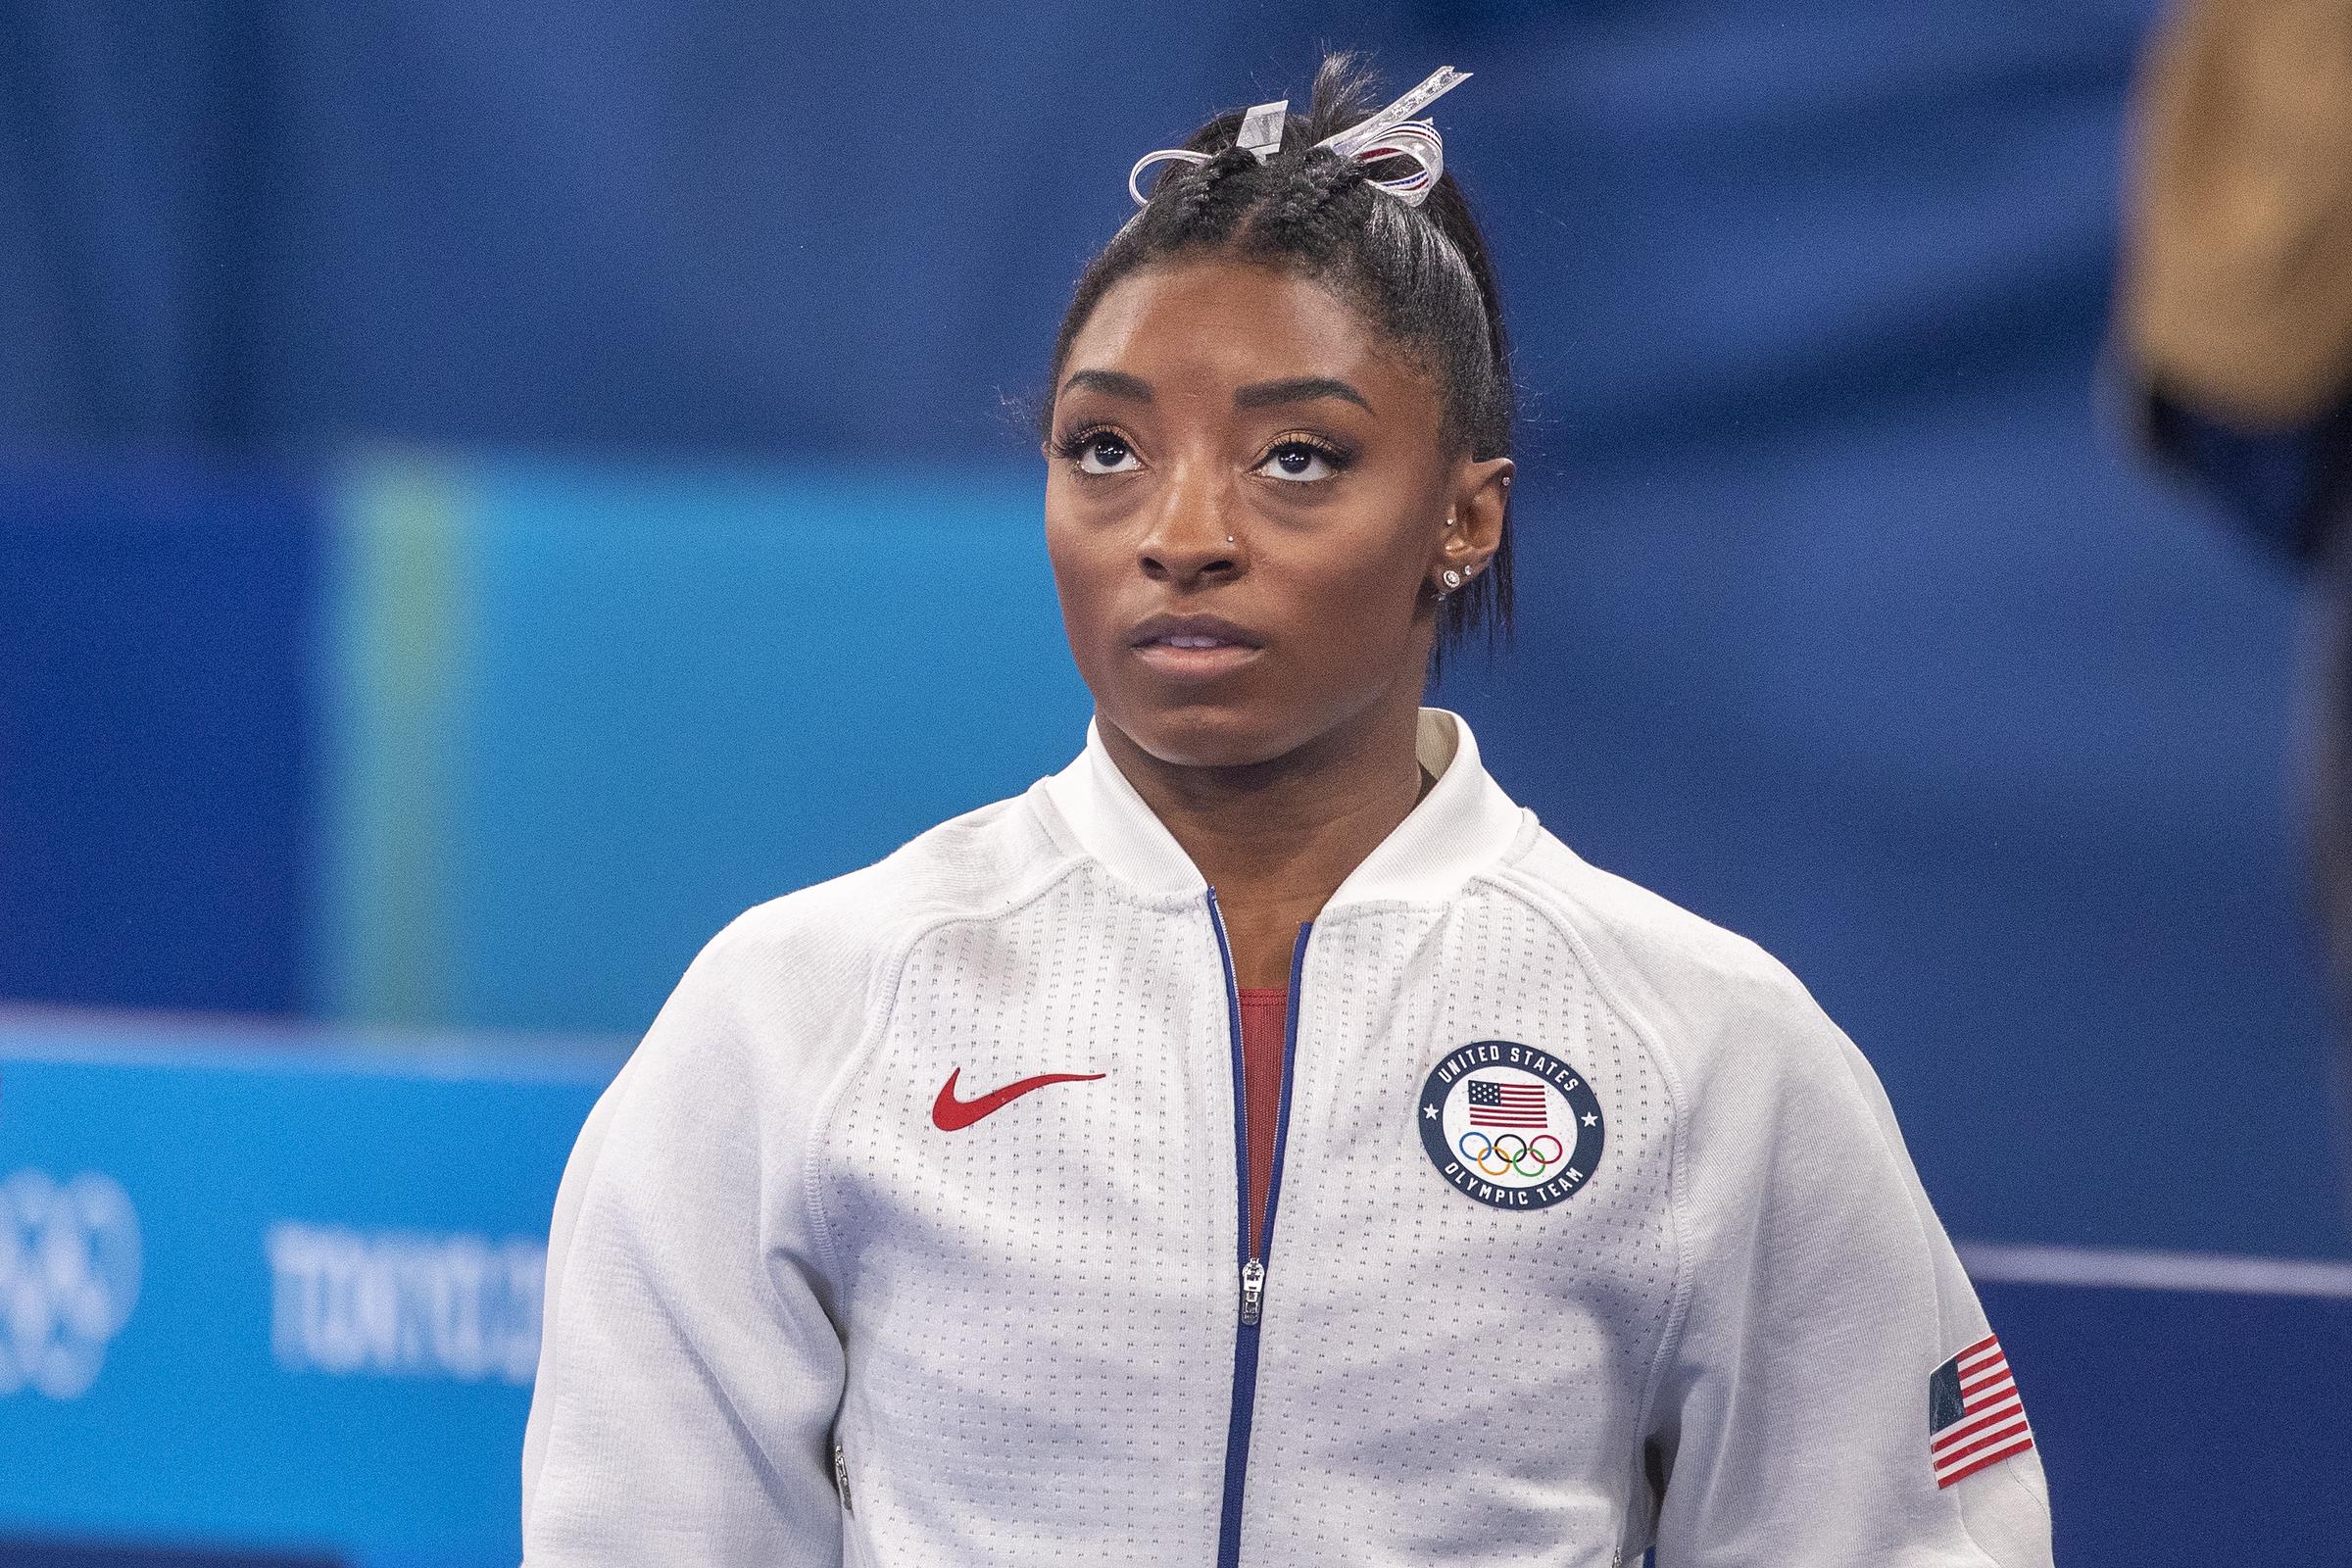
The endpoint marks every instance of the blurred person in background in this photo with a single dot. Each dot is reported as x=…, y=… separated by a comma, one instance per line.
x=2234, y=324
x=1600, y=1234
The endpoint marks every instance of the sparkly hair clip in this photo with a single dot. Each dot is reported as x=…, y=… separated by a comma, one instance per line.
x=1393, y=132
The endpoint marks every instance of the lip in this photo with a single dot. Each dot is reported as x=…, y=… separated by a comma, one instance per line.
x=1235, y=646
x=1155, y=627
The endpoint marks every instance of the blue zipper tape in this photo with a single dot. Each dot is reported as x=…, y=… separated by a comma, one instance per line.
x=1245, y=1344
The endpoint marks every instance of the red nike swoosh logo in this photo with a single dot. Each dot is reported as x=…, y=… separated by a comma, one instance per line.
x=948, y=1113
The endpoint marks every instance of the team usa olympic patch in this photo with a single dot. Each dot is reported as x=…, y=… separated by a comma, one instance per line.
x=1510, y=1125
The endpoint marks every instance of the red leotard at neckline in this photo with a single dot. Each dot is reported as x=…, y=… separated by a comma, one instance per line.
x=1265, y=1013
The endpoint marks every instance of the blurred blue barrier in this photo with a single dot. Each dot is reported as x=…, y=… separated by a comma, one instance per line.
x=271, y=1293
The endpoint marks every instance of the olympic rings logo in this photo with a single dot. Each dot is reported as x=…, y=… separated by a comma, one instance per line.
x=68, y=1279
x=1508, y=1160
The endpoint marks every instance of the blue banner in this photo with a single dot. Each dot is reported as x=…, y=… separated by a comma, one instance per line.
x=269, y=1293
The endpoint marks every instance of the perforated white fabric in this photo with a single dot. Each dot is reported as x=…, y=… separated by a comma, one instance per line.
x=1038, y=1296
x=793, y=1318
x=1442, y=1362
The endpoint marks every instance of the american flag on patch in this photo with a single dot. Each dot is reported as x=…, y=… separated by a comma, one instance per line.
x=1500, y=1104
x=1975, y=1417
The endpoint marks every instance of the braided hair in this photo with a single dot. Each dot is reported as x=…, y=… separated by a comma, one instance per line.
x=1419, y=274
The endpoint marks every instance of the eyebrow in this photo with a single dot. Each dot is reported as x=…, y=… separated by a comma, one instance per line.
x=1112, y=383
x=1298, y=389
x=1256, y=395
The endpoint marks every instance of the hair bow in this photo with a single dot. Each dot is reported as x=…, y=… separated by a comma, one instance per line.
x=1393, y=132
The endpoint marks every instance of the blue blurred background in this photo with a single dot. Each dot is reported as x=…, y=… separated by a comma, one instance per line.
x=489, y=491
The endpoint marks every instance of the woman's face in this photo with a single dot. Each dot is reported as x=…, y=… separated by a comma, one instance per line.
x=1245, y=505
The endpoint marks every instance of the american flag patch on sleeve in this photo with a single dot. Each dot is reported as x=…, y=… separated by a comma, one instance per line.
x=1975, y=1417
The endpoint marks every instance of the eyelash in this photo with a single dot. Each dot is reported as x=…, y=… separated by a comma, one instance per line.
x=1073, y=447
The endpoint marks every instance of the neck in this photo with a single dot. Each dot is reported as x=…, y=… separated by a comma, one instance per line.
x=1277, y=838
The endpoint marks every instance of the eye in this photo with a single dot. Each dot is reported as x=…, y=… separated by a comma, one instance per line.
x=1302, y=461
x=1099, y=452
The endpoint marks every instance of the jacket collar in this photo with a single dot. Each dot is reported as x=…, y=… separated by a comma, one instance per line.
x=1465, y=824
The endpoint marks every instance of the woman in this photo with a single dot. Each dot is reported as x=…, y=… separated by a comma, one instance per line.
x=936, y=1220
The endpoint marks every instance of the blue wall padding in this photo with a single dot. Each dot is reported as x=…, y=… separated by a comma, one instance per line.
x=155, y=666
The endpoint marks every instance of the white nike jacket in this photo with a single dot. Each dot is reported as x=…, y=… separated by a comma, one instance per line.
x=1586, y=1231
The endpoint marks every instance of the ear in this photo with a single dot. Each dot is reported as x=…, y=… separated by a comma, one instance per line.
x=1481, y=495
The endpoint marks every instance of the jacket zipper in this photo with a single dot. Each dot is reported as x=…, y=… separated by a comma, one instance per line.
x=1252, y=1268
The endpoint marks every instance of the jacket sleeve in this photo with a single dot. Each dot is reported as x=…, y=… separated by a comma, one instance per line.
x=689, y=1369
x=1792, y=1417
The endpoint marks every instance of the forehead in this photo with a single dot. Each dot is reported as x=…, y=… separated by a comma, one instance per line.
x=1207, y=323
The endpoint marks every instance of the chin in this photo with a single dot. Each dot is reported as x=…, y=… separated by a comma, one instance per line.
x=1204, y=734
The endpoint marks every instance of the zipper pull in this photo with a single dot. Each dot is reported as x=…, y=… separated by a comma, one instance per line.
x=1254, y=1288
x=840, y=1476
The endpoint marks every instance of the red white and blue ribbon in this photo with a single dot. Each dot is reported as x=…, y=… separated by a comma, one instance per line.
x=1393, y=132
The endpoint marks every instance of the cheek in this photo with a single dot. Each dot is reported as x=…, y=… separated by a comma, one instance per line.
x=1065, y=553
x=1352, y=618
x=1365, y=592
x=1083, y=579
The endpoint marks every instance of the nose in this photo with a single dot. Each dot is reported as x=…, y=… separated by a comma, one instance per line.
x=1192, y=534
